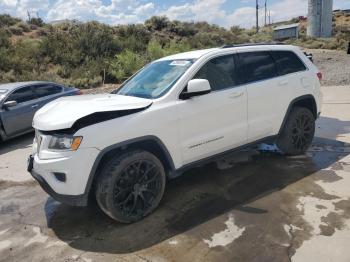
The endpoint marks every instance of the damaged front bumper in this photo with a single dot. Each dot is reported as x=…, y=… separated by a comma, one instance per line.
x=73, y=200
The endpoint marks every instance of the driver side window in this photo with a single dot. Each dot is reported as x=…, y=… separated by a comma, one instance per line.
x=22, y=95
x=220, y=72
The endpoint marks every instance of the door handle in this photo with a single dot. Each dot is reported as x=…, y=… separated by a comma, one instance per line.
x=236, y=95
x=283, y=83
x=35, y=106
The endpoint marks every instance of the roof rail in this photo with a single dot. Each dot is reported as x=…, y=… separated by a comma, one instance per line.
x=253, y=44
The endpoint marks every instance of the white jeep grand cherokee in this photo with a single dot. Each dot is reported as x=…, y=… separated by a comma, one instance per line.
x=175, y=113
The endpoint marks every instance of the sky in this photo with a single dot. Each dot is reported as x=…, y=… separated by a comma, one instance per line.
x=225, y=13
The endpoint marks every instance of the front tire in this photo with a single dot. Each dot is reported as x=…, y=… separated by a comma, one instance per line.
x=131, y=186
x=298, y=132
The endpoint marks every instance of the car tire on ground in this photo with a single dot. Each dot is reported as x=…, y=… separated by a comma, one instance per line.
x=298, y=132
x=130, y=186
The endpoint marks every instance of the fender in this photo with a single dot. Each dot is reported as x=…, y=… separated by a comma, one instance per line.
x=294, y=102
x=125, y=144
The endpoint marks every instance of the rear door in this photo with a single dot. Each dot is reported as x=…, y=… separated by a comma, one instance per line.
x=265, y=92
x=215, y=122
x=19, y=118
x=293, y=73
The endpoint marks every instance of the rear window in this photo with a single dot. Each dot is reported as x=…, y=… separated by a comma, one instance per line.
x=257, y=66
x=47, y=90
x=287, y=62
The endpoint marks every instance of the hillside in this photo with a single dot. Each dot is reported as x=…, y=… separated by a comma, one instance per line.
x=87, y=54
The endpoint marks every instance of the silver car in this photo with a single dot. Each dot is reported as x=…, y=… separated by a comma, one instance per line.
x=19, y=102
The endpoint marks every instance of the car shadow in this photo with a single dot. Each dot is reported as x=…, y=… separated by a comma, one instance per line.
x=197, y=196
x=20, y=142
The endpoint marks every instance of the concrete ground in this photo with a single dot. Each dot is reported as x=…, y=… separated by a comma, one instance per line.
x=246, y=207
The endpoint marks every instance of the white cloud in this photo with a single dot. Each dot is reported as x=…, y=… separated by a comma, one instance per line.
x=145, y=9
x=244, y=17
x=20, y=8
x=288, y=9
x=8, y=3
x=117, y=12
x=209, y=10
x=182, y=12
x=73, y=9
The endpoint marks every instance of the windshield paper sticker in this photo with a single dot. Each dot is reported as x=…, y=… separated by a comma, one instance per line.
x=180, y=63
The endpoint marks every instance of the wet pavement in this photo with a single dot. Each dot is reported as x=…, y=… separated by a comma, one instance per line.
x=248, y=206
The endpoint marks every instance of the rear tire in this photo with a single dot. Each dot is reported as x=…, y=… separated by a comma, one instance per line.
x=298, y=132
x=130, y=186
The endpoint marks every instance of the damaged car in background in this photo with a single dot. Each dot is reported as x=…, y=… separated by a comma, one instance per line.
x=19, y=101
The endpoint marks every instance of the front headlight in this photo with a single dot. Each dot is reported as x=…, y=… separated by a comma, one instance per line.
x=65, y=142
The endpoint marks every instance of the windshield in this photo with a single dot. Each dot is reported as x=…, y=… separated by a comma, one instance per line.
x=155, y=79
x=2, y=93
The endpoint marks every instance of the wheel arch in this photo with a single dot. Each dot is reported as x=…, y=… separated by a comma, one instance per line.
x=307, y=101
x=2, y=131
x=151, y=144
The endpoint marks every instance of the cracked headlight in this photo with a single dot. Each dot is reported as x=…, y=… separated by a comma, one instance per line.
x=65, y=142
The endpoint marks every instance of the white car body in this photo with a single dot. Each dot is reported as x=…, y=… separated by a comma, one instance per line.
x=188, y=131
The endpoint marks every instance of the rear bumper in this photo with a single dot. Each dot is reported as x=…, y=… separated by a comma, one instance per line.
x=73, y=200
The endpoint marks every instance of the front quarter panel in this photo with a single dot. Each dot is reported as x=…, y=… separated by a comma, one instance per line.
x=159, y=120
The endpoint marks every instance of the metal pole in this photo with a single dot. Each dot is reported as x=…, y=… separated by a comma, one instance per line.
x=265, y=11
x=257, y=16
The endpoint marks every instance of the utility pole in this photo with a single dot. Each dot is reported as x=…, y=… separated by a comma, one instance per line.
x=269, y=17
x=265, y=11
x=257, y=16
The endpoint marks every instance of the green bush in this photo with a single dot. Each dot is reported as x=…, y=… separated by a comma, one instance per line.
x=125, y=64
x=7, y=20
x=86, y=82
x=155, y=50
x=36, y=21
x=157, y=23
x=16, y=30
x=25, y=27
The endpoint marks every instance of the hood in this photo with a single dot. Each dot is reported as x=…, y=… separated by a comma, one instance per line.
x=63, y=112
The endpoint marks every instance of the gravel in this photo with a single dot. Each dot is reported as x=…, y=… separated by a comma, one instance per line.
x=107, y=88
x=334, y=65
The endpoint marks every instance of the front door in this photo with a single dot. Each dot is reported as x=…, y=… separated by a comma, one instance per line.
x=19, y=118
x=215, y=122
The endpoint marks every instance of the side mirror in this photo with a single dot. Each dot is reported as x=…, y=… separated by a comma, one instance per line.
x=196, y=87
x=9, y=104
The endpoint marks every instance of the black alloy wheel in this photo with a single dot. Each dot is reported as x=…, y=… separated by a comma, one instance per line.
x=136, y=188
x=298, y=132
x=130, y=186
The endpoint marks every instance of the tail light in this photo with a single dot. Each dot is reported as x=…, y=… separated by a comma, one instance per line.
x=79, y=92
x=319, y=75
